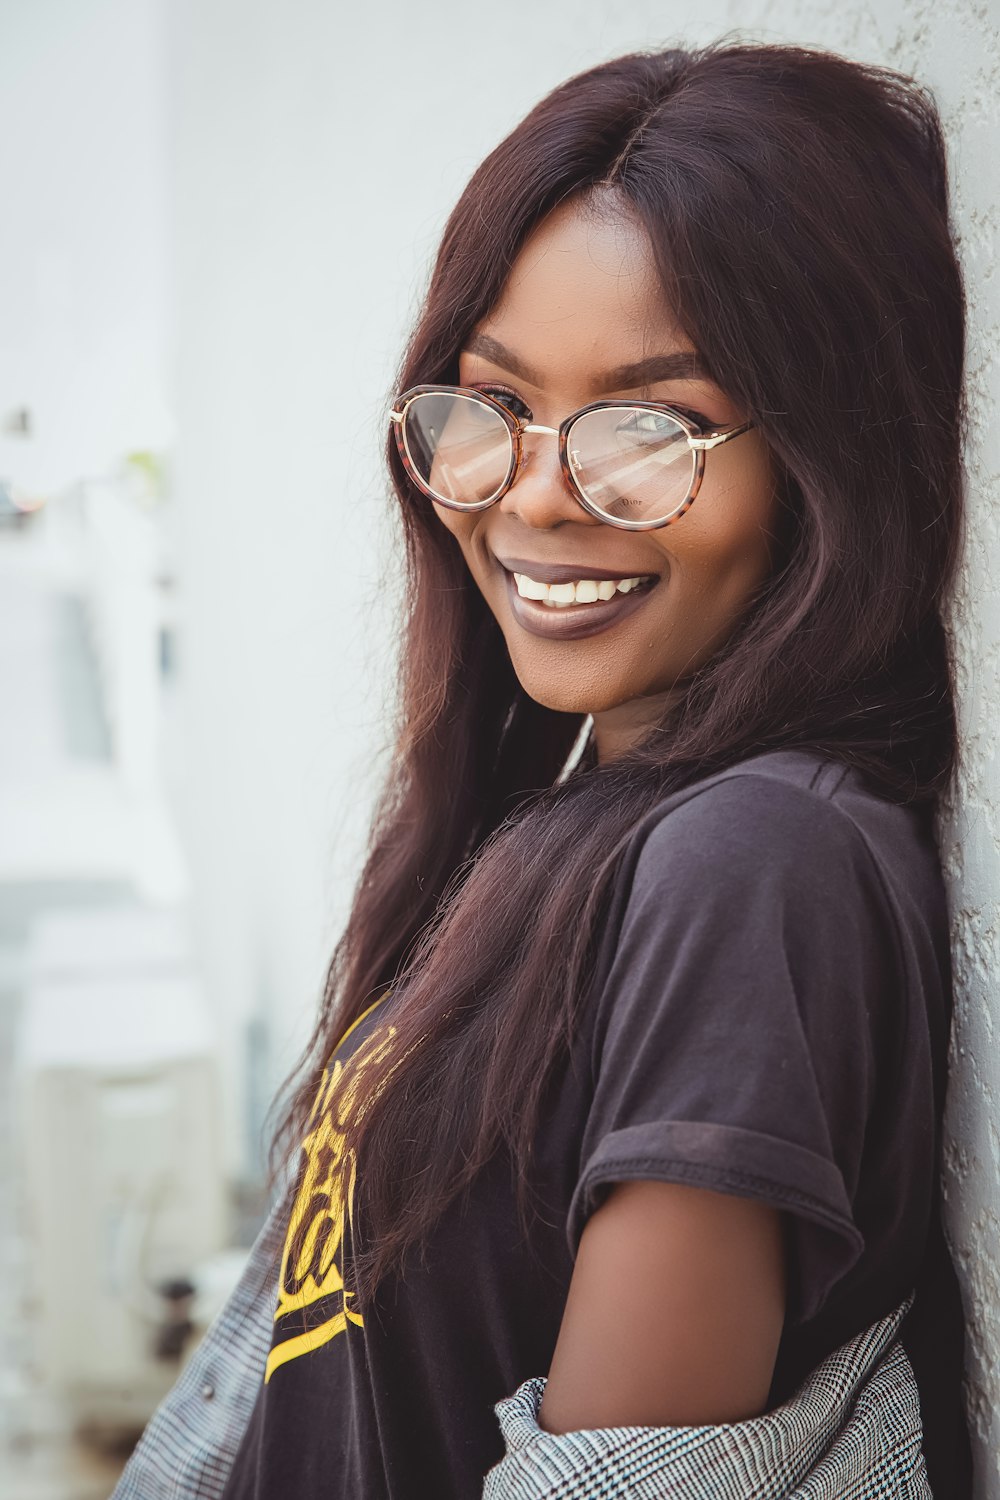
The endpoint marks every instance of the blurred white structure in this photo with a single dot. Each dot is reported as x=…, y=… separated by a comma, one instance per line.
x=83, y=255
x=120, y=554
x=120, y=1154
x=83, y=328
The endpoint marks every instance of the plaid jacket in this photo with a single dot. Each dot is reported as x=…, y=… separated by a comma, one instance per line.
x=852, y=1432
x=189, y=1444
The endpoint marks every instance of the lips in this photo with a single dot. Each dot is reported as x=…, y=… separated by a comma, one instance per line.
x=568, y=572
x=573, y=621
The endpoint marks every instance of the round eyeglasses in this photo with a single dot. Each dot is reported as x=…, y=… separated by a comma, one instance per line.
x=634, y=464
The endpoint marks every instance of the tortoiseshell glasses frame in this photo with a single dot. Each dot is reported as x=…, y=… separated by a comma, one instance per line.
x=699, y=443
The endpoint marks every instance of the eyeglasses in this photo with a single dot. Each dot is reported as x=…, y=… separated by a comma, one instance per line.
x=634, y=464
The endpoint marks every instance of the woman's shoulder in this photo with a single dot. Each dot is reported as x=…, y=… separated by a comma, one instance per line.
x=779, y=899
x=795, y=832
x=789, y=808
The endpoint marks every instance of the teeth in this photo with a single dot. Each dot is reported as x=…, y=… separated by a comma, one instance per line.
x=583, y=591
x=529, y=589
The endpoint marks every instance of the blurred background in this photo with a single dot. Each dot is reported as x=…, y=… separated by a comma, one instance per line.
x=218, y=224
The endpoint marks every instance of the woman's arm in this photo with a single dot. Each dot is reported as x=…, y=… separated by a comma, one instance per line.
x=674, y=1312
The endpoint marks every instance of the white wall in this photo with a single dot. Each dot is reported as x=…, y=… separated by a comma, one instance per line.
x=84, y=244
x=316, y=154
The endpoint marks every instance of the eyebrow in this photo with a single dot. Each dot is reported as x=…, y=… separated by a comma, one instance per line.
x=685, y=364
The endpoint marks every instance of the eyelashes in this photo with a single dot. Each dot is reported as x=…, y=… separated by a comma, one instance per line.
x=509, y=398
x=697, y=417
x=523, y=412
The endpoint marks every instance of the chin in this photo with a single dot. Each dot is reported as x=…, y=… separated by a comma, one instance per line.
x=567, y=697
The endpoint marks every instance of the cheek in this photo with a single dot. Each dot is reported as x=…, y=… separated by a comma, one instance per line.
x=464, y=529
x=725, y=545
x=451, y=520
x=461, y=527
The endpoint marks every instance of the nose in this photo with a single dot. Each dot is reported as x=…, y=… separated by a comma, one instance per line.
x=540, y=496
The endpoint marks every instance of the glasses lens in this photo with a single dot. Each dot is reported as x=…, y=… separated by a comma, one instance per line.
x=460, y=448
x=631, y=463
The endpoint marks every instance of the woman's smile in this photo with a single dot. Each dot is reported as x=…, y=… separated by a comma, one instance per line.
x=566, y=601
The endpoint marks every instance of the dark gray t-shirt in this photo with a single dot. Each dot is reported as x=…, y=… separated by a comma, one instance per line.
x=769, y=1017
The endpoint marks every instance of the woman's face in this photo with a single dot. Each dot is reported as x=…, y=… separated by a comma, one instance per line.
x=582, y=303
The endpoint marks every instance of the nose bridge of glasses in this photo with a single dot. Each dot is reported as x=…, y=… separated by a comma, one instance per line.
x=528, y=457
x=538, y=490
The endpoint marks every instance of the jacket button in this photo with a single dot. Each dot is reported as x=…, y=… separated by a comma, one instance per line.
x=208, y=1390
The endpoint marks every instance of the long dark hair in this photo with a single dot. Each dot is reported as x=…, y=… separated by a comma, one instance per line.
x=797, y=206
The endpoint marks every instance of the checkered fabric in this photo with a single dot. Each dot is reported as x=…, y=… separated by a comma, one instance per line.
x=851, y=1432
x=188, y=1447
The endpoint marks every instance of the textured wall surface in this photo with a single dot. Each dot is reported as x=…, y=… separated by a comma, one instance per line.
x=955, y=49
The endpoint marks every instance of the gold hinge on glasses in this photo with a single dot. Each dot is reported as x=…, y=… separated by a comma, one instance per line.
x=715, y=438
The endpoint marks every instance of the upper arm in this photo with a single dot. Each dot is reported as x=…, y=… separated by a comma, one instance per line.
x=674, y=1311
x=733, y=1043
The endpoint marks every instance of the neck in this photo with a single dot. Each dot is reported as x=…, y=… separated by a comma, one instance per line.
x=617, y=730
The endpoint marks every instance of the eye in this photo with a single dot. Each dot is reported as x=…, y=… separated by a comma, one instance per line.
x=697, y=417
x=647, y=427
x=506, y=397
x=651, y=419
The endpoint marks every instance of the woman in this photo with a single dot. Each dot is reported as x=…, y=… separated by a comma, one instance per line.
x=631, y=1063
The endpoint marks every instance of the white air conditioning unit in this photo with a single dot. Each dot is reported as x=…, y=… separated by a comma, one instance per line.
x=121, y=1178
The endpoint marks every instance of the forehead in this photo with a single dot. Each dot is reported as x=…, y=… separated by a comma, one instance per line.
x=584, y=295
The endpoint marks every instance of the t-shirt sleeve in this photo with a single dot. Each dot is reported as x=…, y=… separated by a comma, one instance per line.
x=735, y=1031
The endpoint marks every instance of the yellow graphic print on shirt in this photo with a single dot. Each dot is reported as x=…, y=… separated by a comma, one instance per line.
x=314, y=1240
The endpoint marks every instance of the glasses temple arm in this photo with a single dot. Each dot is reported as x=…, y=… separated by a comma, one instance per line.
x=716, y=439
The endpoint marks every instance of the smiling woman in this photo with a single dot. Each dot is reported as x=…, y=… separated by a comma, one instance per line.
x=617, y=1142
